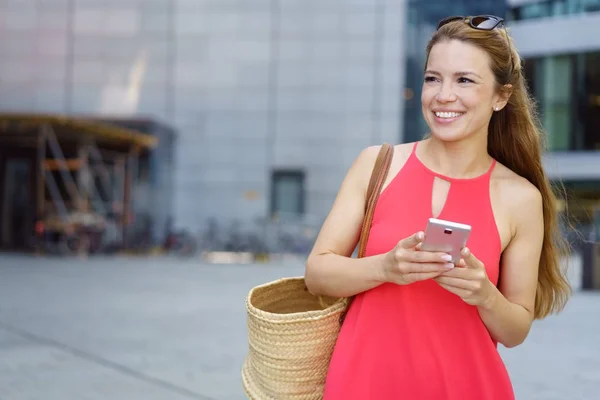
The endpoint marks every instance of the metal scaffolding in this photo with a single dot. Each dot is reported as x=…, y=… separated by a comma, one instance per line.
x=96, y=179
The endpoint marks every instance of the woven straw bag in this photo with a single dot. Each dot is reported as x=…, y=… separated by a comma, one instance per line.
x=292, y=333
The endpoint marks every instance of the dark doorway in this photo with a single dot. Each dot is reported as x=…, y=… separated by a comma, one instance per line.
x=17, y=202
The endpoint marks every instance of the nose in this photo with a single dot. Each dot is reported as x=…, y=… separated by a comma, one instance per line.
x=446, y=94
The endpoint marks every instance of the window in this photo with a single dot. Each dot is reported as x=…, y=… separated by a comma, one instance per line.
x=583, y=204
x=588, y=136
x=567, y=89
x=552, y=8
x=550, y=80
x=287, y=193
x=535, y=10
x=555, y=91
x=591, y=5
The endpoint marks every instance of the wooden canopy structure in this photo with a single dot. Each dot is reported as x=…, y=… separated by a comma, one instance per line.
x=19, y=125
x=90, y=156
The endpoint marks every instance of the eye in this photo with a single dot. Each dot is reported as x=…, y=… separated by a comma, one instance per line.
x=430, y=79
x=464, y=80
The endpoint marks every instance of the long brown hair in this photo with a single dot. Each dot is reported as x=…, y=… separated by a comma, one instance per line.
x=516, y=139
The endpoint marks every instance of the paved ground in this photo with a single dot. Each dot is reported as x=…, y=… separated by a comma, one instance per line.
x=163, y=329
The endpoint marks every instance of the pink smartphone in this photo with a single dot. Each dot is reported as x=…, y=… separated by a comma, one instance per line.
x=446, y=236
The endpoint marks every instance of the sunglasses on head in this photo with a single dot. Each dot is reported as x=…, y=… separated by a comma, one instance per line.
x=482, y=23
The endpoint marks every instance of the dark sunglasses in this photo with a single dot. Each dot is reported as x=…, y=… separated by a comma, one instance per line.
x=483, y=23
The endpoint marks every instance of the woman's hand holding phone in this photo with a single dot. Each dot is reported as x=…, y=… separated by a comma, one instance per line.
x=405, y=264
x=469, y=281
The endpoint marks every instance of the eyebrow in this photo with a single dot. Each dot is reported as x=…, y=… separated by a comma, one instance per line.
x=459, y=73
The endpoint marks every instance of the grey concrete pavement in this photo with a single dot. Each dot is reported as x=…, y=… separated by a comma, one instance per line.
x=161, y=328
x=135, y=328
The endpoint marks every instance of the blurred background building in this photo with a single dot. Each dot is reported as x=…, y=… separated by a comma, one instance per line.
x=270, y=100
x=559, y=42
x=262, y=105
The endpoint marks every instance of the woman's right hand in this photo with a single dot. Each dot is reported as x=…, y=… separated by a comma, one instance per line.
x=406, y=264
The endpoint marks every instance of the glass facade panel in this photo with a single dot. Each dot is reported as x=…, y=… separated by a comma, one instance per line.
x=583, y=204
x=567, y=90
x=552, y=8
x=591, y=5
x=589, y=80
x=555, y=87
x=559, y=8
x=537, y=10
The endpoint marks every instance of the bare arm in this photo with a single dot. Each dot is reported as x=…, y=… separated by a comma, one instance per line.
x=330, y=270
x=509, y=313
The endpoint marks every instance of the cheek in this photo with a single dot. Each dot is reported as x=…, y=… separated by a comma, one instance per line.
x=475, y=101
x=481, y=105
x=427, y=95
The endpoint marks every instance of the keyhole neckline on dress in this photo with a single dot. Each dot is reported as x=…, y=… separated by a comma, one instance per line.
x=485, y=175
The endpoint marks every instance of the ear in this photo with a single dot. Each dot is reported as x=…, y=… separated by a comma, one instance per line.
x=504, y=94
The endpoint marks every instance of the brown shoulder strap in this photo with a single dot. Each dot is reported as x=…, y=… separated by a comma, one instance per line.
x=380, y=171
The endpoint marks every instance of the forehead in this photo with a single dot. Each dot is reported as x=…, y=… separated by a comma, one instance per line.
x=454, y=55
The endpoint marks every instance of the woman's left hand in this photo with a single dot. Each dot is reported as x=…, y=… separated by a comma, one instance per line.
x=468, y=280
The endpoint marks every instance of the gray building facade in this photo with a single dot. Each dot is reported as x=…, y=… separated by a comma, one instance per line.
x=272, y=100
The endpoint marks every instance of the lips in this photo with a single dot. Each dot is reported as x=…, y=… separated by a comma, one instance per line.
x=447, y=117
x=448, y=114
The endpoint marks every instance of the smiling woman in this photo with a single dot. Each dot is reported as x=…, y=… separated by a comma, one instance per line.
x=419, y=326
x=460, y=85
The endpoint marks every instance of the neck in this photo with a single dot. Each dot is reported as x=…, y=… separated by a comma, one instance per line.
x=462, y=159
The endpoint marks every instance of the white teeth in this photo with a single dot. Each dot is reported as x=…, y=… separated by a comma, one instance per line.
x=448, y=114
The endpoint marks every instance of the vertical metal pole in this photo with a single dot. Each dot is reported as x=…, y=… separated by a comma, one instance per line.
x=596, y=222
x=41, y=185
x=63, y=169
x=119, y=196
x=130, y=182
x=85, y=200
x=83, y=175
x=55, y=195
x=104, y=172
x=50, y=182
x=87, y=176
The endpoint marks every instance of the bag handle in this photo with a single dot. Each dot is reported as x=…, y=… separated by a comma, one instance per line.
x=380, y=172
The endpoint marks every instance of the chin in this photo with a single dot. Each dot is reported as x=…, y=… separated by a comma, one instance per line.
x=448, y=135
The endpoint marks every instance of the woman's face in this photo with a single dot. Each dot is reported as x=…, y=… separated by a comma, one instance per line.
x=459, y=92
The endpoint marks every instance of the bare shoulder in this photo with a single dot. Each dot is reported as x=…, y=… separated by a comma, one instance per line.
x=520, y=199
x=514, y=189
x=369, y=154
x=365, y=161
x=363, y=164
x=403, y=151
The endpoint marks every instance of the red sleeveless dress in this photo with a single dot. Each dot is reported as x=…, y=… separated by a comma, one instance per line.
x=419, y=341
